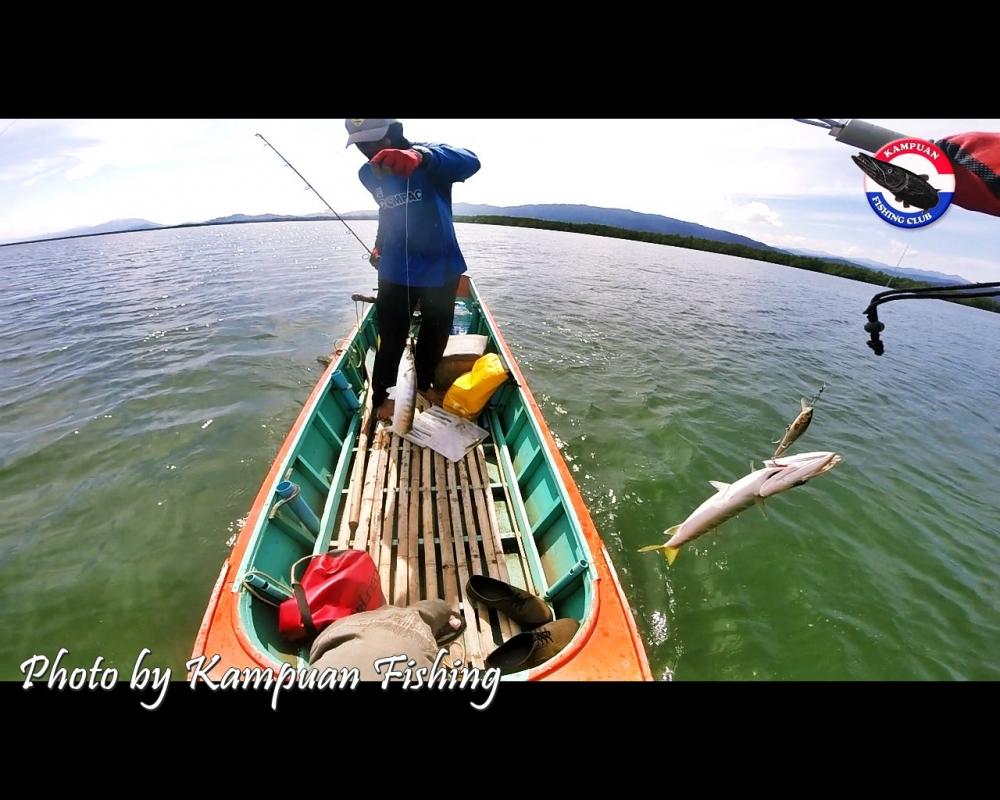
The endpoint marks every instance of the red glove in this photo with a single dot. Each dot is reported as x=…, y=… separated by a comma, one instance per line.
x=398, y=162
x=375, y=257
x=976, y=158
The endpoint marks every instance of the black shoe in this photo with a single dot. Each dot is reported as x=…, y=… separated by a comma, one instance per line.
x=525, y=609
x=532, y=648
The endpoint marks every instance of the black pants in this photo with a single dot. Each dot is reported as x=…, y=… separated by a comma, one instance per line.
x=437, y=310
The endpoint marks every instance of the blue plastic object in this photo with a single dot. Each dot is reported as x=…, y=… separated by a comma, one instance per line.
x=289, y=492
x=346, y=391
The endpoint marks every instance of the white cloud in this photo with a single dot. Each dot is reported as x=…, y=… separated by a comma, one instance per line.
x=753, y=213
x=31, y=170
x=788, y=240
x=41, y=176
x=904, y=250
x=83, y=170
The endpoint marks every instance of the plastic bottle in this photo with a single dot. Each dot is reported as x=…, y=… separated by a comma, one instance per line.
x=463, y=319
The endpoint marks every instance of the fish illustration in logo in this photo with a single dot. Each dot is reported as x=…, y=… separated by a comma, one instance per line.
x=907, y=187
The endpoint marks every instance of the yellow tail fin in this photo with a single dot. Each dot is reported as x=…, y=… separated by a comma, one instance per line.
x=669, y=553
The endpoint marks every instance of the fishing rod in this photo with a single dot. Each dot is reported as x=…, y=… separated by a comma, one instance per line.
x=317, y=194
x=959, y=291
x=856, y=132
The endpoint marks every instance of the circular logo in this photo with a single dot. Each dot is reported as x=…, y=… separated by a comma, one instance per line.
x=909, y=182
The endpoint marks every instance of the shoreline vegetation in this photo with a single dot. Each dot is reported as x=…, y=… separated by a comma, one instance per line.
x=812, y=264
x=857, y=273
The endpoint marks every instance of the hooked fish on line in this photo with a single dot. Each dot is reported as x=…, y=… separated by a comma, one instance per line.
x=405, y=397
x=730, y=499
x=798, y=425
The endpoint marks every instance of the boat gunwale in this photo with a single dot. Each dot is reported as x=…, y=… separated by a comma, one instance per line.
x=586, y=526
x=243, y=547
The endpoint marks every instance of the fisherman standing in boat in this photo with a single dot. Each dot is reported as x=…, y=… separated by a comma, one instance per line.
x=416, y=251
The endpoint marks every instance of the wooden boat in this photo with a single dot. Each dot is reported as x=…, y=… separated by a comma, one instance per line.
x=509, y=509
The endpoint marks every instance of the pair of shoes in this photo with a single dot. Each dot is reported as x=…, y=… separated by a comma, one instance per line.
x=525, y=609
x=532, y=648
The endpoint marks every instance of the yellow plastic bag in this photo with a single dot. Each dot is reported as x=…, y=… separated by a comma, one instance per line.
x=470, y=392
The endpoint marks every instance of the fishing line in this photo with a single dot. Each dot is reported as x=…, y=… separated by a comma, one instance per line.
x=406, y=240
x=815, y=397
x=316, y=193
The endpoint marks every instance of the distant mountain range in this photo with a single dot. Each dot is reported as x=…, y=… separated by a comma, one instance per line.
x=615, y=217
x=580, y=214
x=115, y=226
x=239, y=218
x=913, y=274
x=133, y=225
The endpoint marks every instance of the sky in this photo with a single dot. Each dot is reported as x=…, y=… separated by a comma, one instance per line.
x=775, y=180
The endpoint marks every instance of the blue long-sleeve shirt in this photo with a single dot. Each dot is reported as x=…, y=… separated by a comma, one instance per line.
x=416, y=237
